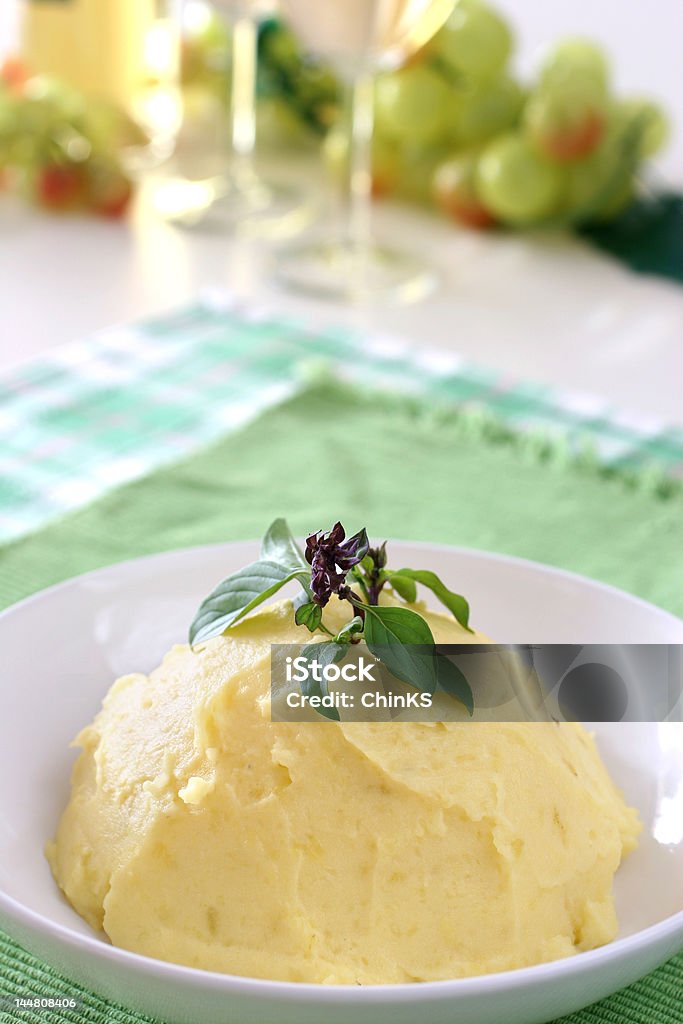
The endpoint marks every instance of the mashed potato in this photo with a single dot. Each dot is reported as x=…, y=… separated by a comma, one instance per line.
x=200, y=832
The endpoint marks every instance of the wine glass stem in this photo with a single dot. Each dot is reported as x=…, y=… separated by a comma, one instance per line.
x=360, y=164
x=243, y=98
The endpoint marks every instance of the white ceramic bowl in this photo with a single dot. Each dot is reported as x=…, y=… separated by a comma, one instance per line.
x=62, y=648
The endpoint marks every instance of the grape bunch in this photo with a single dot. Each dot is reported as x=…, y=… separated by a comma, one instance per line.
x=455, y=127
x=59, y=150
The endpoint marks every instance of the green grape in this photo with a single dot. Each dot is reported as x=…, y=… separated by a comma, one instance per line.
x=455, y=190
x=475, y=41
x=9, y=122
x=413, y=105
x=588, y=178
x=565, y=125
x=488, y=110
x=576, y=61
x=108, y=127
x=416, y=167
x=107, y=189
x=598, y=187
x=56, y=97
x=648, y=120
x=516, y=184
x=385, y=161
x=602, y=184
x=38, y=117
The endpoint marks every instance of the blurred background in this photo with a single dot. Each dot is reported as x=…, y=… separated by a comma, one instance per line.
x=190, y=128
x=498, y=181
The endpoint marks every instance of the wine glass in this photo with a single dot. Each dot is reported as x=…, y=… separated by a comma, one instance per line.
x=240, y=198
x=360, y=37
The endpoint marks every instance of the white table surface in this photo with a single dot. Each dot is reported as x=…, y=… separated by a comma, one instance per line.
x=546, y=307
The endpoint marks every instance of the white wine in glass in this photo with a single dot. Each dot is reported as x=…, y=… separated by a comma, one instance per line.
x=361, y=37
x=241, y=199
x=366, y=34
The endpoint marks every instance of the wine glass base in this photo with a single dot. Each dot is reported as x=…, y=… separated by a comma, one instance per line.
x=260, y=208
x=340, y=271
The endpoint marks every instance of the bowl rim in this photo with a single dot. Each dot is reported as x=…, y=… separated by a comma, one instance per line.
x=482, y=554
x=664, y=931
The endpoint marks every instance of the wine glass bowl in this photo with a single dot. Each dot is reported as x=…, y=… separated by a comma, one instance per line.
x=366, y=34
x=360, y=37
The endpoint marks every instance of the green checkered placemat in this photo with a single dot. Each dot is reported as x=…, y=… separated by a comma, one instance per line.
x=100, y=412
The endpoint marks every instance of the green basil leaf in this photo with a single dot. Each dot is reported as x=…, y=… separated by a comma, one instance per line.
x=324, y=654
x=404, y=586
x=355, y=625
x=395, y=636
x=309, y=615
x=279, y=546
x=455, y=603
x=452, y=681
x=237, y=595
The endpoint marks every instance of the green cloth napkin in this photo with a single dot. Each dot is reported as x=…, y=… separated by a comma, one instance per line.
x=647, y=236
x=406, y=471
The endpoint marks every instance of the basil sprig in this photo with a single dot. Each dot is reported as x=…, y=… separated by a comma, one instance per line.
x=333, y=563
